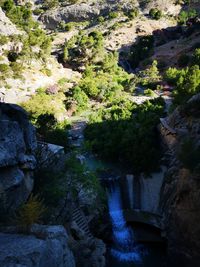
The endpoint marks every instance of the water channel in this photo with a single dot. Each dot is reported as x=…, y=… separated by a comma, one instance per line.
x=124, y=250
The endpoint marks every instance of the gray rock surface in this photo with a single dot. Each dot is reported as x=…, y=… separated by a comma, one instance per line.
x=6, y=26
x=46, y=246
x=84, y=11
x=17, y=160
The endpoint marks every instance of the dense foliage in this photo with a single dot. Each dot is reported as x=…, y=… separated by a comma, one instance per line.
x=35, y=36
x=186, y=82
x=126, y=132
x=141, y=50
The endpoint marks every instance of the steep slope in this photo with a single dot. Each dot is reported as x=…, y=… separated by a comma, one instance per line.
x=180, y=197
x=6, y=26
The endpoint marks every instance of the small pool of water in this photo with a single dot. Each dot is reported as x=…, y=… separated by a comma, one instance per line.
x=154, y=256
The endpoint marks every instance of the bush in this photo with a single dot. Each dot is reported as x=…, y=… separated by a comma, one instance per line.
x=132, y=14
x=155, y=13
x=196, y=57
x=185, y=15
x=38, y=11
x=17, y=68
x=141, y=50
x=46, y=71
x=189, y=154
x=187, y=85
x=3, y=39
x=113, y=15
x=101, y=19
x=4, y=68
x=31, y=212
x=149, y=92
x=183, y=60
x=42, y=103
x=49, y=185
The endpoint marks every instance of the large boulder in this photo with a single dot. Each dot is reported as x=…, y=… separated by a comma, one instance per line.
x=17, y=156
x=46, y=246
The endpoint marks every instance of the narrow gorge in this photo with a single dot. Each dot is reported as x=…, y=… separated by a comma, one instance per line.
x=99, y=133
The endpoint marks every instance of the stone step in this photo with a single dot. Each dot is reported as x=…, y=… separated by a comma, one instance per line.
x=81, y=221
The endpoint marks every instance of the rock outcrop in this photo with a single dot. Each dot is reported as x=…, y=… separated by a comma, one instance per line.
x=17, y=160
x=84, y=12
x=46, y=246
x=6, y=26
x=180, y=196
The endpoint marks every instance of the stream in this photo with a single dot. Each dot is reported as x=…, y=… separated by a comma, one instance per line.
x=124, y=251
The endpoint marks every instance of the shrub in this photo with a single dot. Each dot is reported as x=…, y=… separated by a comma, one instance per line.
x=38, y=11
x=42, y=103
x=49, y=185
x=183, y=60
x=46, y=71
x=185, y=15
x=141, y=50
x=3, y=39
x=149, y=92
x=196, y=57
x=17, y=68
x=101, y=19
x=132, y=14
x=31, y=212
x=155, y=13
x=113, y=15
x=4, y=68
x=189, y=154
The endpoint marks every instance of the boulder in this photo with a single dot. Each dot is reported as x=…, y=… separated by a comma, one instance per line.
x=46, y=246
x=17, y=156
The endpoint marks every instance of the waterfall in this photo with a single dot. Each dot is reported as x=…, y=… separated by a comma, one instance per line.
x=125, y=247
x=130, y=179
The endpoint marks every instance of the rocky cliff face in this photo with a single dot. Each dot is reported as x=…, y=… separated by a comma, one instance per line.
x=180, y=196
x=84, y=11
x=45, y=246
x=90, y=10
x=17, y=160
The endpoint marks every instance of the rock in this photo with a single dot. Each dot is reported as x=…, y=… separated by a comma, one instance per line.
x=47, y=246
x=6, y=26
x=77, y=12
x=180, y=194
x=83, y=11
x=17, y=156
x=89, y=252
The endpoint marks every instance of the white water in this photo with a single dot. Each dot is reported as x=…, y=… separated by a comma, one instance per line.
x=130, y=179
x=125, y=248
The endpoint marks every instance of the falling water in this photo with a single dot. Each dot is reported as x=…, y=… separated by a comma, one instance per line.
x=125, y=248
x=130, y=178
